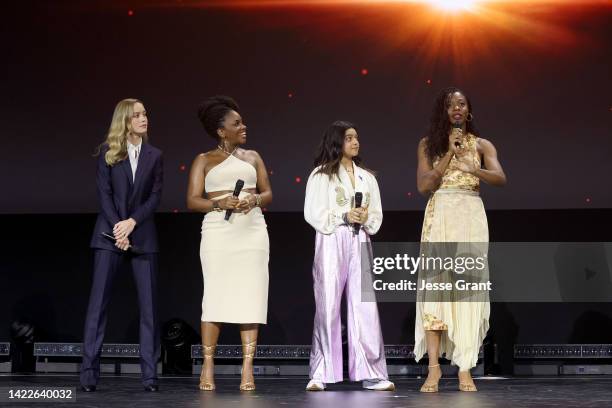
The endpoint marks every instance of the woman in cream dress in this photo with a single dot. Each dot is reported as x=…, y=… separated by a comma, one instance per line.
x=450, y=168
x=234, y=252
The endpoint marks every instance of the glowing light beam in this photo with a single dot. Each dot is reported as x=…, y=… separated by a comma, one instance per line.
x=453, y=5
x=457, y=32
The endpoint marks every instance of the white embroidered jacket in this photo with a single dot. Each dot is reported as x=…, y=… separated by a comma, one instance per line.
x=327, y=199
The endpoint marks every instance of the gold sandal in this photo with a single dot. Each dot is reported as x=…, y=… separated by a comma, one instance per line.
x=467, y=387
x=248, y=351
x=209, y=353
x=431, y=387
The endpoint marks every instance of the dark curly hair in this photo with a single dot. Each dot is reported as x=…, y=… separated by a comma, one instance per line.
x=436, y=140
x=212, y=112
x=329, y=153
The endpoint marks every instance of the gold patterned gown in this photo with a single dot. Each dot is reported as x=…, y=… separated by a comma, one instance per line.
x=454, y=214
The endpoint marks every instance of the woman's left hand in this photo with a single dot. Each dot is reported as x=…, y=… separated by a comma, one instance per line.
x=363, y=217
x=124, y=228
x=358, y=215
x=247, y=203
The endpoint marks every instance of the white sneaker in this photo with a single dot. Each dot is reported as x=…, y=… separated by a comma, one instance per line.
x=315, y=385
x=378, y=385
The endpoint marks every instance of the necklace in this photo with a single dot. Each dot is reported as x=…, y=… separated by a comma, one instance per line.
x=225, y=151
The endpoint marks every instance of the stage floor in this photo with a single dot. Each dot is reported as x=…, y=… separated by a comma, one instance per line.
x=126, y=391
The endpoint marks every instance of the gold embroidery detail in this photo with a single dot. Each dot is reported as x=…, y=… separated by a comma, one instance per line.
x=366, y=202
x=455, y=178
x=431, y=322
x=341, y=199
x=428, y=221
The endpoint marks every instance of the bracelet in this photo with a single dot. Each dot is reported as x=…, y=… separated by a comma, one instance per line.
x=216, y=207
x=345, y=218
x=257, y=200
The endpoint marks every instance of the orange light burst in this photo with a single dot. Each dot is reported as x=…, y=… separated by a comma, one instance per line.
x=465, y=32
x=453, y=5
x=288, y=3
x=457, y=32
x=534, y=21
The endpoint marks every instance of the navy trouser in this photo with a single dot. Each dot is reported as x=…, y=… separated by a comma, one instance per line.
x=106, y=266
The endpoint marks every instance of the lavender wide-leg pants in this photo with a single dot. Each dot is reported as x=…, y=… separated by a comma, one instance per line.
x=337, y=267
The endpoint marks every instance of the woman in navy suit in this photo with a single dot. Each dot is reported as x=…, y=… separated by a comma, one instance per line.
x=129, y=181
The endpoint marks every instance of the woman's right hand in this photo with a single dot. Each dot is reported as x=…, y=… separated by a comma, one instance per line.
x=123, y=244
x=229, y=203
x=455, y=137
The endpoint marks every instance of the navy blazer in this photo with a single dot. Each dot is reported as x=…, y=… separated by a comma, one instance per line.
x=121, y=198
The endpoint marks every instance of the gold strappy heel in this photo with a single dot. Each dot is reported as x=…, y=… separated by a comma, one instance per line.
x=248, y=351
x=209, y=354
x=467, y=387
x=431, y=387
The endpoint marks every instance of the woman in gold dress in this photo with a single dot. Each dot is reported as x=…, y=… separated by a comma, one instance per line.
x=452, y=160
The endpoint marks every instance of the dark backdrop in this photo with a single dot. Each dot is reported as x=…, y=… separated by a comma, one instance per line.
x=538, y=74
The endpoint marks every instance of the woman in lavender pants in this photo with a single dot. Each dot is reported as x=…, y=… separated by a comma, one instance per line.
x=340, y=231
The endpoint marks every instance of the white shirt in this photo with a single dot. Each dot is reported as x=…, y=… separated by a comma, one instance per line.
x=327, y=199
x=134, y=154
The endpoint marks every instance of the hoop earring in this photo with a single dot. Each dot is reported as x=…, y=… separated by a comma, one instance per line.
x=469, y=117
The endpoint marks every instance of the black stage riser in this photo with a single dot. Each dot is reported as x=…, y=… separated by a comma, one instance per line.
x=46, y=271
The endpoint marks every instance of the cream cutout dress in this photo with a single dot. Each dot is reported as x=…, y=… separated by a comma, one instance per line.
x=234, y=253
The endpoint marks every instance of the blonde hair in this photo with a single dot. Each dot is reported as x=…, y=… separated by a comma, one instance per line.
x=116, y=139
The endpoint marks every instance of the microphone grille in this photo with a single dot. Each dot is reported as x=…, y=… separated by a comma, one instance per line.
x=358, y=198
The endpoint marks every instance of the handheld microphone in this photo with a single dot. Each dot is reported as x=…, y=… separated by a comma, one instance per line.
x=134, y=249
x=457, y=125
x=358, y=200
x=239, y=185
